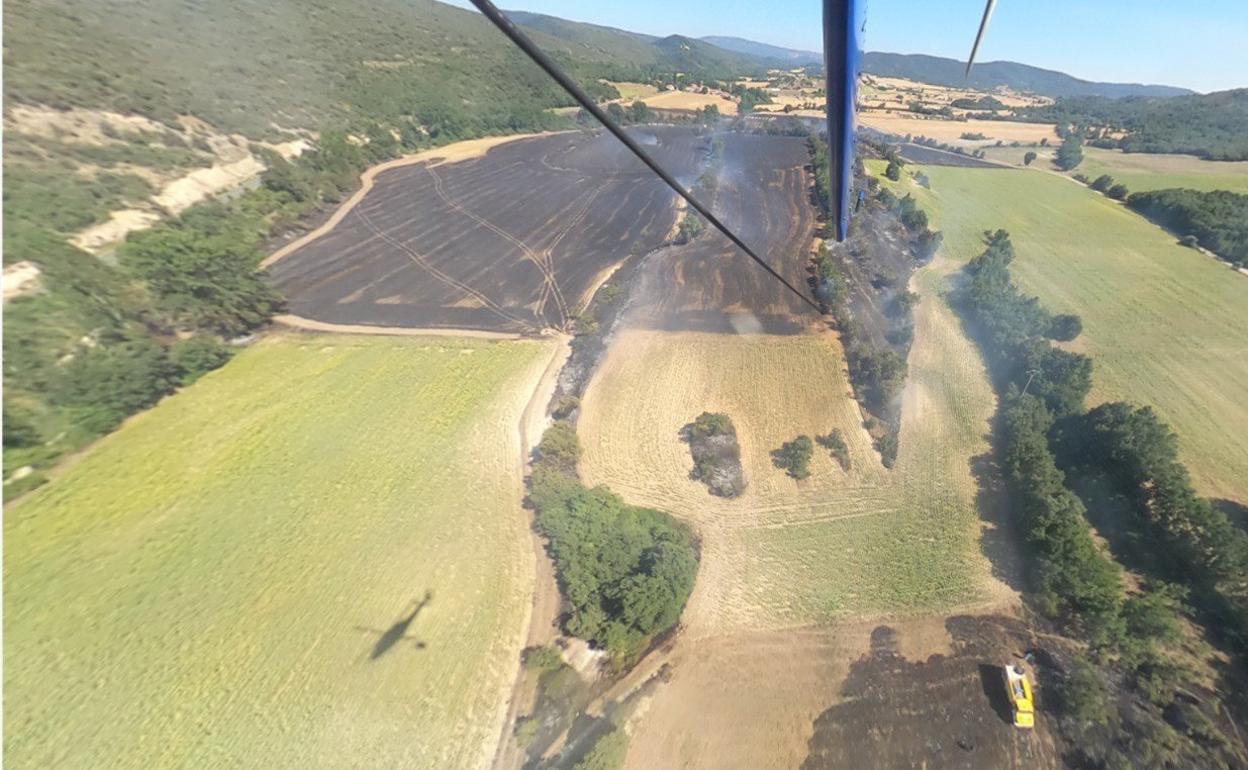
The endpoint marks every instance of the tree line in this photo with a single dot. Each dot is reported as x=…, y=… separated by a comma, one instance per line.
x=1131, y=635
x=1218, y=219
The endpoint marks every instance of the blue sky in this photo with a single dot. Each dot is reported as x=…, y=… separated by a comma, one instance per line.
x=1199, y=44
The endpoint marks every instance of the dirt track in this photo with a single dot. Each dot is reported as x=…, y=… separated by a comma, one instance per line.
x=510, y=241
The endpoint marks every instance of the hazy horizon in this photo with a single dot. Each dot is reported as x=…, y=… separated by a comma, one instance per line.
x=1205, y=54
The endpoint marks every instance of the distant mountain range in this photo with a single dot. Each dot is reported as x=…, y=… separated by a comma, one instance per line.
x=790, y=56
x=941, y=71
x=621, y=47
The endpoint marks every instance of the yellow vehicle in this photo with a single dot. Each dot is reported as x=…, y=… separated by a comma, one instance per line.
x=1021, y=702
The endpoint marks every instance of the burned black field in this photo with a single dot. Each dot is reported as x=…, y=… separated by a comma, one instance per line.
x=710, y=285
x=514, y=240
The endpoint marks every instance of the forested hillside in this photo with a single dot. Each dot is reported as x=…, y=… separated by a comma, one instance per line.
x=1212, y=126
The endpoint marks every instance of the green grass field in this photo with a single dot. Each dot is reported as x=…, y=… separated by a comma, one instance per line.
x=208, y=585
x=1141, y=172
x=1164, y=324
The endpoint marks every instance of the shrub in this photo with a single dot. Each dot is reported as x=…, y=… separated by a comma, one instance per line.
x=19, y=428
x=526, y=729
x=893, y=171
x=105, y=384
x=1082, y=696
x=690, y=227
x=608, y=752
x=834, y=442
x=197, y=356
x=560, y=448
x=887, y=447
x=1064, y=327
x=794, y=456
x=1102, y=183
x=565, y=406
x=716, y=454
x=544, y=658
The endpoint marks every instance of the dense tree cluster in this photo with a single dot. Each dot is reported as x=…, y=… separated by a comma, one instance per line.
x=748, y=98
x=626, y=572
x=1209, y=126
x=1070, y=575
x=986, y=102
x=1184, y=538
x=1015, y=328
x=1218, y=219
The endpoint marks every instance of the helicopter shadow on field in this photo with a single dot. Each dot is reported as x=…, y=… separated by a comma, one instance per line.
x=397, y=632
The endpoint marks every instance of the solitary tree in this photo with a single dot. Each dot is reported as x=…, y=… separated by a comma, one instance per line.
x=794, y=456
x=639, y=112
x=1102, y=183
x=893, y=171
x=1028, y=157
x=1070, y=154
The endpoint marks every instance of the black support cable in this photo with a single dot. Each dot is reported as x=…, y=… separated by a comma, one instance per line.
x=508, y=28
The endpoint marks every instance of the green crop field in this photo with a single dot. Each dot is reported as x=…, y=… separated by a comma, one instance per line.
x=210, y=585
x=1163, y=323
x=1141, y=172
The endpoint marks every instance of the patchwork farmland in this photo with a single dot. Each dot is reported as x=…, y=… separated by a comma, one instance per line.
x=515, y=240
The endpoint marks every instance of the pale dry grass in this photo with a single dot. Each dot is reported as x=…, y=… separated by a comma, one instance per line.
x=951, y=130
x=684, y=100
x=630, y=91
x=838, y=544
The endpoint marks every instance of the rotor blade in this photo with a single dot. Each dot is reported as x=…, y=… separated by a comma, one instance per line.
x=508, y=28
x=979, y=38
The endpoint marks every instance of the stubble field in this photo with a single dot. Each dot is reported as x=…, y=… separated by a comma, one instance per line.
x=1163, y=323
x=314, y=557
x=951, y=131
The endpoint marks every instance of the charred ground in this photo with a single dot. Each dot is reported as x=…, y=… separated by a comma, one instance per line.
x=513, y=241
